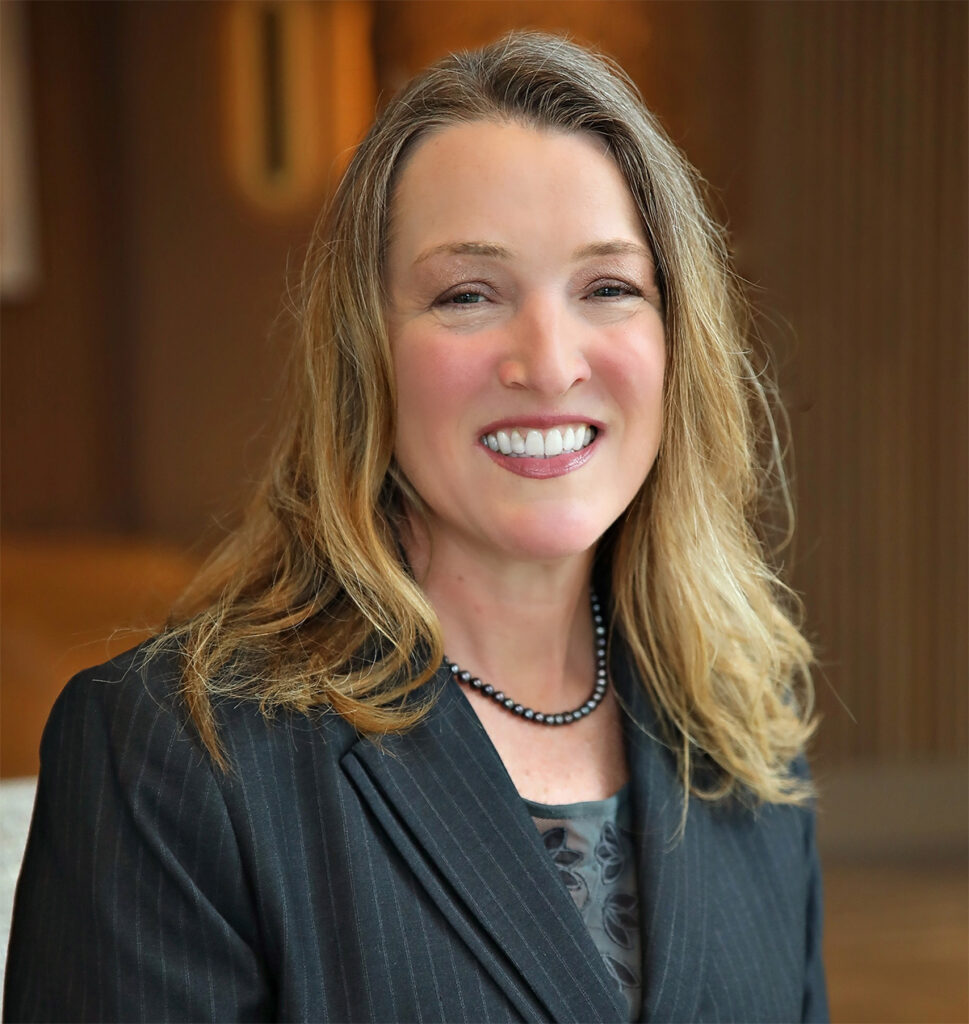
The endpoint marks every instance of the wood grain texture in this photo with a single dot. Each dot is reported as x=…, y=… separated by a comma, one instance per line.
x=860, y=239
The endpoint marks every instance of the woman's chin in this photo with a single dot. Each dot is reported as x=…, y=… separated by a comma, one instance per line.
x=500, y=532
x=550, y=541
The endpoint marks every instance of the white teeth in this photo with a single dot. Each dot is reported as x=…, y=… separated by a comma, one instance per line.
x=536, y=445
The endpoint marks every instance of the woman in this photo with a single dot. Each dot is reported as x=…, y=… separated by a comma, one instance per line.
x=524, y=434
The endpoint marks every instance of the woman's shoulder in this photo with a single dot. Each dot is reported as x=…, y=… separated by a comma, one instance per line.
x=151, y=669
x=133, y=688
x=133, y=708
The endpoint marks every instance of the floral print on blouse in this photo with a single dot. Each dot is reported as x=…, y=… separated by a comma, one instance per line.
x=590, y=845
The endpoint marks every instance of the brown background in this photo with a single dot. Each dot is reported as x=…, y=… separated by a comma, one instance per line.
x=139, y=378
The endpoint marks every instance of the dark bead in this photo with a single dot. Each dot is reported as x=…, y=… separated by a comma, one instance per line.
x=559, y=719
x=567, y=717
x=488, y=689
x=466, y=676
x=500, y=696
x=518, y=709
x=529, y=714
x=476, y=683
x=539, y=717
x=509, y=703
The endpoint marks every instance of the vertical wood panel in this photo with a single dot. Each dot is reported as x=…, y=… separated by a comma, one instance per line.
x=861, y=235
x=63, y=402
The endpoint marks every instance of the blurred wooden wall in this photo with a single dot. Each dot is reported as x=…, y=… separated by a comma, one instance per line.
x=140, y=379
x=860, y=238
x=137, y=383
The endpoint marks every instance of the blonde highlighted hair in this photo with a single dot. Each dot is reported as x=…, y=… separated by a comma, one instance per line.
x=310, y=604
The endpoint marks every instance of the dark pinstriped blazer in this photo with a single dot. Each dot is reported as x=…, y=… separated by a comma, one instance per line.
x=327, y=879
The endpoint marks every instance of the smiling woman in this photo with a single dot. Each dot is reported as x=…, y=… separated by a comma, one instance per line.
x=524, y=430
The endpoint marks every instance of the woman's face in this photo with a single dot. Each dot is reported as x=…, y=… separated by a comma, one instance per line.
x=527, y=339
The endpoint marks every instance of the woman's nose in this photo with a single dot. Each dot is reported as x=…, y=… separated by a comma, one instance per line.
x=545, y=351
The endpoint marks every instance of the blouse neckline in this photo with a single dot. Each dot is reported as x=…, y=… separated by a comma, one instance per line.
x=608, y=809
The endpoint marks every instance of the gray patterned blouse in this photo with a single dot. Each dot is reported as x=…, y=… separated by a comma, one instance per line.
x=591, y=846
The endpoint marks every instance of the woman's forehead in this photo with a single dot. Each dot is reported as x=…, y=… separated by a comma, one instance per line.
x=489, y=182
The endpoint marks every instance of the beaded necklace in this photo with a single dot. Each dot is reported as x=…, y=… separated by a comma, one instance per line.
x=541, y=717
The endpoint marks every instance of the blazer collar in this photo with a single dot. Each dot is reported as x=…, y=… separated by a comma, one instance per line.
x=675, y=872
x=444, y=798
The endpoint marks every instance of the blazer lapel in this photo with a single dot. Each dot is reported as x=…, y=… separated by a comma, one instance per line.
x=445, y=800
x=674, y=874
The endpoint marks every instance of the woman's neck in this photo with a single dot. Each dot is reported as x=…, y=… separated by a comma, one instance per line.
x=524, y=627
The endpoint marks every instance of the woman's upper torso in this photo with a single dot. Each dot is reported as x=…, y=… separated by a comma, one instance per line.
x=330, y=878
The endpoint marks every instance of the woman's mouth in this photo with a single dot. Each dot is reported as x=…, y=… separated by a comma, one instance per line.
x=529, y=443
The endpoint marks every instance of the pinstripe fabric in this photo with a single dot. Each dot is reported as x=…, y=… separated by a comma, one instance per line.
x=329, y=879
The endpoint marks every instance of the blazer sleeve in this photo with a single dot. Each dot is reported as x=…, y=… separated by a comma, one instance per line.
x=132, y=902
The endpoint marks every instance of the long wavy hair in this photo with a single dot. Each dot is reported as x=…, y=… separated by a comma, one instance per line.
x=310, y=604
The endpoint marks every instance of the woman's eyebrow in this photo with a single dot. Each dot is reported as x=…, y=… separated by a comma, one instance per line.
x=613, y=247
x=465, y=249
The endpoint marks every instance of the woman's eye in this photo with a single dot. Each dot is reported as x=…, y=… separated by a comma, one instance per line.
x=613, y=290
x=466, y=297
